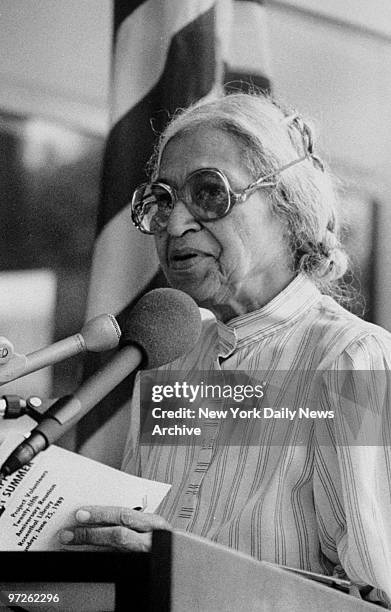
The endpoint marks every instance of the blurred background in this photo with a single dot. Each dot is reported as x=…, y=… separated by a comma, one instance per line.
x=54, y=72
x=329, y=59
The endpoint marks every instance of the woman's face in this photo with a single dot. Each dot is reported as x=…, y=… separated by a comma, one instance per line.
x=232, y=265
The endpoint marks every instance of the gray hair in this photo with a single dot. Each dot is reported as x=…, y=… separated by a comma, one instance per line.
x=304, y=198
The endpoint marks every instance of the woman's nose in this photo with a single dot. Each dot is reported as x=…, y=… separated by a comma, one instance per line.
x=181, y=220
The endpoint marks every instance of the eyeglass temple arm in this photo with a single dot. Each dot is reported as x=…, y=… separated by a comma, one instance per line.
x=263, y=181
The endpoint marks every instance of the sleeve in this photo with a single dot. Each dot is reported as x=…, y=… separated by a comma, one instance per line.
x=352, y=473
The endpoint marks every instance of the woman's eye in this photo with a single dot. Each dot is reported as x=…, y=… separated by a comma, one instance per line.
x=206, y=195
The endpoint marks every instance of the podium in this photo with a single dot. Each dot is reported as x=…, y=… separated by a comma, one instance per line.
x=182, y=573
x=193, y=574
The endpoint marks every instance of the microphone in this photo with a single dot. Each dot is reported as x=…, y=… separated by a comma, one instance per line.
x=6, y=350
x=164, y=325
x=99, y=334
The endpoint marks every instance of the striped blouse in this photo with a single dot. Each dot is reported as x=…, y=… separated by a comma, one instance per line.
x=321, y=499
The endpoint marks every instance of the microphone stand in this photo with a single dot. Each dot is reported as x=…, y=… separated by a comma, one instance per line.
x=14, y=406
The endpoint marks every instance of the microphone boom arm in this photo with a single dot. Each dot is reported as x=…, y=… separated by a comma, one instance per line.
x=67, y=411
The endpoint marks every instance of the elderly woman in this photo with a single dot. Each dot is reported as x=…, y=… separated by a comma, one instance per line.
x=243, y=218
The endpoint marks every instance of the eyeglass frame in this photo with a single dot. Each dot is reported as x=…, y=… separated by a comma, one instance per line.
x=234, y=198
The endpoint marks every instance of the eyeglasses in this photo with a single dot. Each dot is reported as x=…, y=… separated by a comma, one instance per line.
x=206, y=193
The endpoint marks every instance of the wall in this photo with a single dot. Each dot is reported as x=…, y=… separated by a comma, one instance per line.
x=337, y=67
x=55, y=59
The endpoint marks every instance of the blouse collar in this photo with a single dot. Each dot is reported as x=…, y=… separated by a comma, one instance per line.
x=289, y=305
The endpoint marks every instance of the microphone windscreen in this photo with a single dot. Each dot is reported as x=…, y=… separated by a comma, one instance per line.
x=165, y=323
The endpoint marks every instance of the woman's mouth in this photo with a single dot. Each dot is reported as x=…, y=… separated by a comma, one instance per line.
x=183, y=259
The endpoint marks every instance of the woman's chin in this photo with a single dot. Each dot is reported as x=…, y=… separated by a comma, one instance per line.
x=201, y=289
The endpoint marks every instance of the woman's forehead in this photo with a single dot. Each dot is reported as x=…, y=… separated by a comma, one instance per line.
x=200, y=147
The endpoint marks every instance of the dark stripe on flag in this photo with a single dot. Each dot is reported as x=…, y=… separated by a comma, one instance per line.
x=123, y=9
x=246, y=83
x=189, y=74
x=260, y=2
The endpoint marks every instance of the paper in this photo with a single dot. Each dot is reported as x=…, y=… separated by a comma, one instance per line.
x=41, y=498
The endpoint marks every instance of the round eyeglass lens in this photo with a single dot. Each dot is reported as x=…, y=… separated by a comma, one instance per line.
x=208, y=194
x=154, y=206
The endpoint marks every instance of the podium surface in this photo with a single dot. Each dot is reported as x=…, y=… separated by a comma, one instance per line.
x=208, y=577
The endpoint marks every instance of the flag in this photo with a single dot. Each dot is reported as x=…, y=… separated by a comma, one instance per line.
x=167, y=54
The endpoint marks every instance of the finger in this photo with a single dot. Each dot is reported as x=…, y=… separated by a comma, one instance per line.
x=117, y=515
x=119, y=538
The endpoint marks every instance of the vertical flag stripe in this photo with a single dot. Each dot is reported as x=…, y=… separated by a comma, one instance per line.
x=148, y=34
x=119, y=275
x=122, y=10
x=248, y=63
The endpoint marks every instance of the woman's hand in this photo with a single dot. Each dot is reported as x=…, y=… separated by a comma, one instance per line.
x=121, y=529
